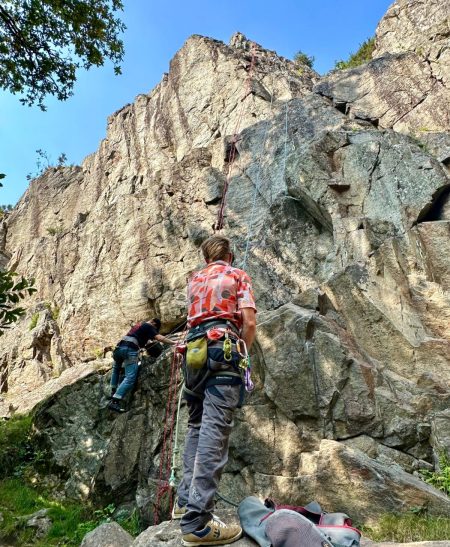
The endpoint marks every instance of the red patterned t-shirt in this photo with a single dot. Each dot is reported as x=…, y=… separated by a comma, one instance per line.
x=221, y=291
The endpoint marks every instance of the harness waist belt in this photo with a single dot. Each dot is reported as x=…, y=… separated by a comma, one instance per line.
x=206, y=325
x=129, y=340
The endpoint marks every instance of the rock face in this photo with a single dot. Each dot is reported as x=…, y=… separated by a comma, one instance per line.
x=341, y=218
x=407, y=85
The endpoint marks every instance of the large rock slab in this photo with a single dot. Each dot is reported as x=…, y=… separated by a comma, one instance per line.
x=407, y=84
x=375, y=488
x=409, y=25
x=398, y=91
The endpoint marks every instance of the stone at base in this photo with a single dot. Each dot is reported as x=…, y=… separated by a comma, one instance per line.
x=107, y=535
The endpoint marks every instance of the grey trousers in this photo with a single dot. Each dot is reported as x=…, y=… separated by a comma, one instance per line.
x=205, y=452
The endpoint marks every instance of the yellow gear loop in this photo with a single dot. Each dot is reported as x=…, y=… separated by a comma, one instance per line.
x=227, y=348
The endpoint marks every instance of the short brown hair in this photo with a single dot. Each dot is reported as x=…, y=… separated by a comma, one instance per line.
x=216, y=248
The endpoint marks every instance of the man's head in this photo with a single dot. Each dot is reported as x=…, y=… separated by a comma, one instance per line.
x=217, y=248
x=155, y=322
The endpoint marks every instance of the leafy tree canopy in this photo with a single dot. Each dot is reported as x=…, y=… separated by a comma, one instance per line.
x=11, y=293
x=43, y=42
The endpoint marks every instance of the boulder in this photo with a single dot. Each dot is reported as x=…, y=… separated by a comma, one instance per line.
x=39, y=521
x=109, y=534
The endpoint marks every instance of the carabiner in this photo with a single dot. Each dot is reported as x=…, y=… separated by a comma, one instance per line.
x=227, y=346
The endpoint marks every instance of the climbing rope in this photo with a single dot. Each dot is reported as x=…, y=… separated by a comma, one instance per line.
x=166, y=472
x=248, y=86
x=173, y=472
x=166, y=451
x=258, y=174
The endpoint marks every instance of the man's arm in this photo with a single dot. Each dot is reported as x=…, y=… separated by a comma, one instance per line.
x=165, y=340
x=249, y=326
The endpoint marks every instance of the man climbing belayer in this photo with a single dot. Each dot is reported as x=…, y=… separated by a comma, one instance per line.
x=126, y=355
x=222, y=326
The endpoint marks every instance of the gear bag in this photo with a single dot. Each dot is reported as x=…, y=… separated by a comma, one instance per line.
x=275, y=526
x=197, y=353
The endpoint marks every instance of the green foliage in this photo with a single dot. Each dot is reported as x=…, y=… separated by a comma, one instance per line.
x=14, y=443
x=11, y=292
x=34, y=320
x=303, y=59
x=97, y=353
x=68, y=519
x=54, y=310
x=62, y=159
x=71, y=521
x=131, y=524
x=363, y=55
x=408, y=528
x=43, y=162
x=23, y=491
x=44, y=42
x=2, y=176
x=440, y=479
x=55, y=230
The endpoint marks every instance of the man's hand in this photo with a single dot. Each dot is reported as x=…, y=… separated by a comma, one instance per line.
x=165, y=340
x=249, y=326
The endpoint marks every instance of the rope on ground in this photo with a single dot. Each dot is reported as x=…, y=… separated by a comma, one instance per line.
x=248, y=85
x=226, y=500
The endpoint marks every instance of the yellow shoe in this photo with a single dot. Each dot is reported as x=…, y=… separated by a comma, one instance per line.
x=215, y=532
x=178, y=511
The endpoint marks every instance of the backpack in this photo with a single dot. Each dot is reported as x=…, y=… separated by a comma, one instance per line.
x=313, y=526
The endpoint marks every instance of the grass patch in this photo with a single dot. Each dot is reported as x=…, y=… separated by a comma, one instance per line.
x=408, y=528
x=71, y=521
x=24, y=489
x=54, y=310
x=34, y=320
x=55, y=230
x=131, y=524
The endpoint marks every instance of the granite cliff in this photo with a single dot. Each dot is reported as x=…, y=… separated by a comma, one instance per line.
x=341, y=189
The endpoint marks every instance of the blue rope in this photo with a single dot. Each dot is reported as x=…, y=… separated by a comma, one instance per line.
x=257, y=182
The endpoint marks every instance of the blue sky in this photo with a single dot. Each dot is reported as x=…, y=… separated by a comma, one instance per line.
x=327, y=29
